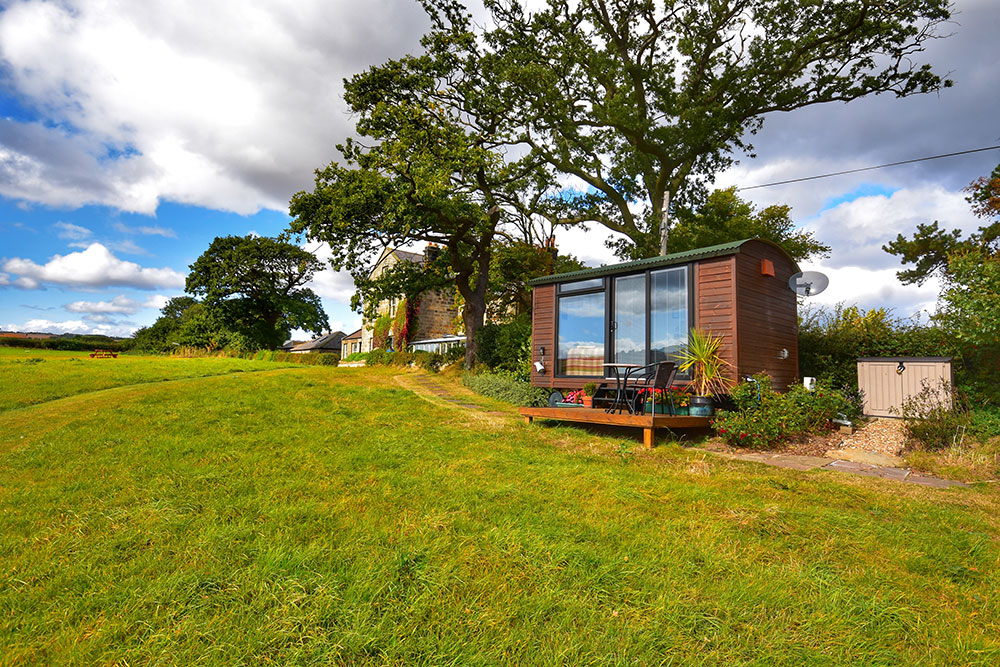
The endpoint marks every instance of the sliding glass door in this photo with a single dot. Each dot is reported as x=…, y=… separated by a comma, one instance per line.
x=629, y=321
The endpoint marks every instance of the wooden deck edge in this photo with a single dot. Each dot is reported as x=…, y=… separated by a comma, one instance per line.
x=597, y=416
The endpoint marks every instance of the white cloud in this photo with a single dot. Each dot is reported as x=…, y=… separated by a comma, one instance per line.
x=119, y=304
x=71, y=232
x=94, y=267
x=858, y=229
x=152, y=230
x=75, y=326
x=26, y=283
x=335, y=285
x=874, y=288
x=128, y=247
x=228, y=105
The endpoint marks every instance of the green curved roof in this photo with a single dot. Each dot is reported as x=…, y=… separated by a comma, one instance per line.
x=730, y=248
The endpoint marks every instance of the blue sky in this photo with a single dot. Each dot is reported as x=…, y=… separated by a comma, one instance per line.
x=132, y=134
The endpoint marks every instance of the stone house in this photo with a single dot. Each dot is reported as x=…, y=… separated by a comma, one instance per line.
x=437, y=311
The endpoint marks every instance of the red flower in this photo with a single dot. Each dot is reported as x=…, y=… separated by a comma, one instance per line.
x=743, y=435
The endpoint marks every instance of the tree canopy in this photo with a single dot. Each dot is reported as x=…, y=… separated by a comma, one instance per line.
x=725, y=217
x=648, y=99
x=931, y=246
x=254, y=285
x=437, y=171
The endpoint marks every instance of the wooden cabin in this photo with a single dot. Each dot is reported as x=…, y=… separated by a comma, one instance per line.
x=641, y=312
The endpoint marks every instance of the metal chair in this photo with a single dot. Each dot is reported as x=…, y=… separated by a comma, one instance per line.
x=658, y=376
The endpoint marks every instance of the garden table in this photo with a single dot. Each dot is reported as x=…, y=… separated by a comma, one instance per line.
x=621, y=386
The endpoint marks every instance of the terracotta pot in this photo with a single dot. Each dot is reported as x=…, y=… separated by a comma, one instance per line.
x=588, y=401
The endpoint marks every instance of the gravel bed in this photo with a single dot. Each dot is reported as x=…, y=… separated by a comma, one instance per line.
x=883, y=436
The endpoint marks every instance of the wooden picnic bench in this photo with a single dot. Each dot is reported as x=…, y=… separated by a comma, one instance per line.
x=104, y=354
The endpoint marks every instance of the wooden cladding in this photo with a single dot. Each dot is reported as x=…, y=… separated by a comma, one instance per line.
x=543, y=335
x=767, y=319
x=715, y=303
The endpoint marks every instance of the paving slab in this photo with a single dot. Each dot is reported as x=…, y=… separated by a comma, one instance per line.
x=859, y=455
x=794, y=462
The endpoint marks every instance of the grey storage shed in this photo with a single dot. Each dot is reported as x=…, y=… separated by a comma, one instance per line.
x=887, y=382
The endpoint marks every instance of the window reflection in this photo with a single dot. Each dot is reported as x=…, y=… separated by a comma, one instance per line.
x=581, y=335
x=630, y=320
x=669, y=316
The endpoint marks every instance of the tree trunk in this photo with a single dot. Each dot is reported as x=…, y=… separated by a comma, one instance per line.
x=473, y=316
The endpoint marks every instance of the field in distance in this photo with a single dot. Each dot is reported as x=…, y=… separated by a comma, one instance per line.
x=335, y=516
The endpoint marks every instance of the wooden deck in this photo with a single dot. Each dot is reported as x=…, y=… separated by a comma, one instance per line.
x=648, y=423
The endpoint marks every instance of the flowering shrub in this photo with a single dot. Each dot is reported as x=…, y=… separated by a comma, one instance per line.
x=575, y=396
x=763, y=417
x=681, y=396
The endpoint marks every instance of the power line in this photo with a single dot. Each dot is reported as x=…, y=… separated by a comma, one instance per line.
x=879, y=166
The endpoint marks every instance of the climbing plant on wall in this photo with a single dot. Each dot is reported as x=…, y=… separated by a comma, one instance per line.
x=380, y=332
x=404, y=324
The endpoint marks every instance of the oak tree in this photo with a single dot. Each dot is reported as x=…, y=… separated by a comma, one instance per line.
x=255, y=286
x=643, y=101
x=432, y=165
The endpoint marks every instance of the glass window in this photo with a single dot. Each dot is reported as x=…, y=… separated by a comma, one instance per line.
x=669, y=316
x=581, y=335
x=629, y=324
x=593, y=283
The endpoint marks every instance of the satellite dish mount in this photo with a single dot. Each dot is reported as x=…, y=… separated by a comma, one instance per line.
x=808, y=283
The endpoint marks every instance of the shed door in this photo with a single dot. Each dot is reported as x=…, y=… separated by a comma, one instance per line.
x=886, y=388
x=882, y=388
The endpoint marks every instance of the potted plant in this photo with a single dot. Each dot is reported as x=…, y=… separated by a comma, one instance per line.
x=656, y=401
x=589, y=390
x=708, y=370
x=574, y=399
x=681, y=400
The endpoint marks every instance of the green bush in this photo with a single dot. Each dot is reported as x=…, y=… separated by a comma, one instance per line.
x=932, y=424
x=68, y=344
x=454, y=353
x=379, y=357
x=429, y=361
x=831, y=341
x=761, y=423
x=329, y=359
x=403, y=358
x=506, y=387
x=356, y=356
x=985, y=422
x=505, y=346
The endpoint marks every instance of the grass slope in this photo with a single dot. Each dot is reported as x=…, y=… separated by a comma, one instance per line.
x=28, y=377
x=320, y=515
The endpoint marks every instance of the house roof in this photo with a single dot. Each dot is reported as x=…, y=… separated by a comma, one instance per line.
x=330, y=340
x=655, y=262
x=400, y=255
x=353, y=336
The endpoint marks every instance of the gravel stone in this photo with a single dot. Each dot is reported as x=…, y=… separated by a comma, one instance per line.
x=882, y=436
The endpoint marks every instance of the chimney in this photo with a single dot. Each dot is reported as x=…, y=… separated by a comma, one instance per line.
x=431, y=253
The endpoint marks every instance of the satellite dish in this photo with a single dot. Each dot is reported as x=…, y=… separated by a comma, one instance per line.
x=808, y=283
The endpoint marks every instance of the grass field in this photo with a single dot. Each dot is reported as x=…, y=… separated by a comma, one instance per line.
x=315, y=515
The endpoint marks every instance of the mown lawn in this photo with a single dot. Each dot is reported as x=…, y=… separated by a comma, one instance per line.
x=316, y=515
